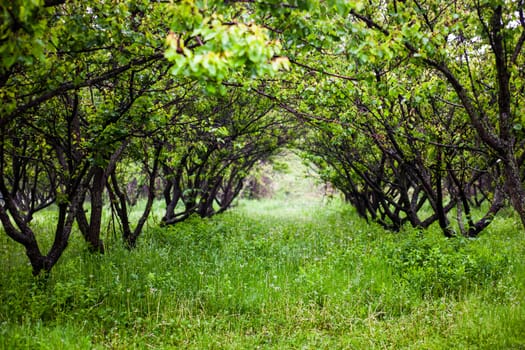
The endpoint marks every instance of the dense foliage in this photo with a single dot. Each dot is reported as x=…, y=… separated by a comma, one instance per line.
x=94, y=92
x=413, y=110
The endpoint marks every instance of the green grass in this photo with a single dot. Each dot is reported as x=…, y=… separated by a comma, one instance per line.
x=275, y=274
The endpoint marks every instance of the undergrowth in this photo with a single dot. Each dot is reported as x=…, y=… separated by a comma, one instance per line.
x=273, y=274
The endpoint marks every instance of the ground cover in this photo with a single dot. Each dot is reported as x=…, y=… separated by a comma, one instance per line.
x=274, y=274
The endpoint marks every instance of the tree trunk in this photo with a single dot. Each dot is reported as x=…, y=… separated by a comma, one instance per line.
x=514, y=185
x=95, y=222
x=25, y=235
x=119, y=202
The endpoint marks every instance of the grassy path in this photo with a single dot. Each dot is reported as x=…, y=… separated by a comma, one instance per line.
x=275, y=275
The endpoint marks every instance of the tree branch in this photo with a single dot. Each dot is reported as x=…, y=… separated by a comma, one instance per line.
x=72, y=86
x=324, y=72
x=50, y=3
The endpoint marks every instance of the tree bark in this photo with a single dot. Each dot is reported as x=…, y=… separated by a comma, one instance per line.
x=514, y=185
x=95, y=222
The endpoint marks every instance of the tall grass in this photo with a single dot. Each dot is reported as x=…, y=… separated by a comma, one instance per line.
x=274, y=274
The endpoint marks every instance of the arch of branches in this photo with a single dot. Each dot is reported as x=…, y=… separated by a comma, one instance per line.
x=413, y=111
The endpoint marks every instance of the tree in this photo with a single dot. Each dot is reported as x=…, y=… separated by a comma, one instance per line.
x=403, y=154
x=84, y=86
x=85, y=80
x=213, y=150
x=63, y=99
x=476, y=48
